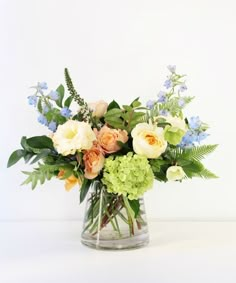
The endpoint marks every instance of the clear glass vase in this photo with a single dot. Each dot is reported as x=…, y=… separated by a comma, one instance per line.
x=110, y=221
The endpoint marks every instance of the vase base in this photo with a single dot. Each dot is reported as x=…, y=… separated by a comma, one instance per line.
x=134, y=242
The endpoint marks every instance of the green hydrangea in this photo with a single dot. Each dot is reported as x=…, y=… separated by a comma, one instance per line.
x=130, y=175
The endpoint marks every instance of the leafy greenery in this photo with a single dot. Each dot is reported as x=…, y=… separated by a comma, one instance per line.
x=84, y=189
x=126, y=118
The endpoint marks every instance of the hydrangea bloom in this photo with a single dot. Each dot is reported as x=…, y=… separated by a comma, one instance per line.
x=122, y=175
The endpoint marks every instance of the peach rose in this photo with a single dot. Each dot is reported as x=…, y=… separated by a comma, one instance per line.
x=99, y=108
x=93, y=161
x=107, y=138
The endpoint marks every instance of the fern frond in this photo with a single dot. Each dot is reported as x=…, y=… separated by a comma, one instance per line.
x=44, y=172
x=207, y=174
x=197, y=153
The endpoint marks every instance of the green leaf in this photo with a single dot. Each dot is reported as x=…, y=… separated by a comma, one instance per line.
x=113, y=112
x=113, y=118
x=127, y=108
x=113, y=105
x=40, y=142
x=84, y=189
x=61, y=91
x=68, y=101
x=135, y=103
x=15, y=157
x=25, y=145
x=43, y=153
x=39, y=105
x=28, y=156
x=135, y=205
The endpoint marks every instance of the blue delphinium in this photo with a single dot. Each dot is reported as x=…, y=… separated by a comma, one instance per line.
x=42, y=120
x=150, y=104
x=194, y=123
x=66, y=112
x=201, y=136
x=183, y=87
x=45, y=109
x=181, y=102
x=52, y=126
x=171, y=68
x=195, y=134
x=40, y=87
x=53, y=95
x=43, y=85
x=32, y=100
x=163, y=112
x=162, y=97
x=168, y=83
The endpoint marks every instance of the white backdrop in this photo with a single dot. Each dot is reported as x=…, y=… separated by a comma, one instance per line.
x=119, y=49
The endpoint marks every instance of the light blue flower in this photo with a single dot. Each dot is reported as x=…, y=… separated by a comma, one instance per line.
x=183, y=87
x=52, y=126
x=168, y=84
x=32, y=100
x=150, y=104
x=181, y=102
x=162, y=97
x=202, y=136
x=45, y=109
x=53, y=95
x=163, y=112
x=66, y=112
x=194, y=123
x=42, y=120
x=42, y=85
x=171, y=68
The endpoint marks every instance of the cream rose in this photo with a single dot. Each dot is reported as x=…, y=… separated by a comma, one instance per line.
x=73, y=136
x=148, y=140
x=175, y=173
x=107, y=138
x=93, y=161
x=99, y=108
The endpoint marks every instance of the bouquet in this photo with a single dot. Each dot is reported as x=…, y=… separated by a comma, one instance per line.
x=116, y=150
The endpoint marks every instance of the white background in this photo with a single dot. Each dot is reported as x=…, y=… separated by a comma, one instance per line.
x=119, y=50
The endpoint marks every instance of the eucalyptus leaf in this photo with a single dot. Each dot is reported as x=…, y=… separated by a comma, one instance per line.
x=15, y=157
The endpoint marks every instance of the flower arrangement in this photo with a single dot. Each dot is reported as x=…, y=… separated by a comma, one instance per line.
x=118, y=149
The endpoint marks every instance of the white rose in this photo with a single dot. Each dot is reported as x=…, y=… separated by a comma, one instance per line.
x=175, y=173
x=73, y=136
x=99, y=108
x=148, y=140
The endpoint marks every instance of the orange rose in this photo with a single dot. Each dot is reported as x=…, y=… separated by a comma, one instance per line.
x=107, y=138
x=70, y=182
x=93, y=161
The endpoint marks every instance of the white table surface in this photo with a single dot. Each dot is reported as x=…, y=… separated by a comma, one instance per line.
x=50, y=251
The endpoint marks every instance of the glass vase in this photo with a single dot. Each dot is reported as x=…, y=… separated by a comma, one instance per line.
x=113, y=222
